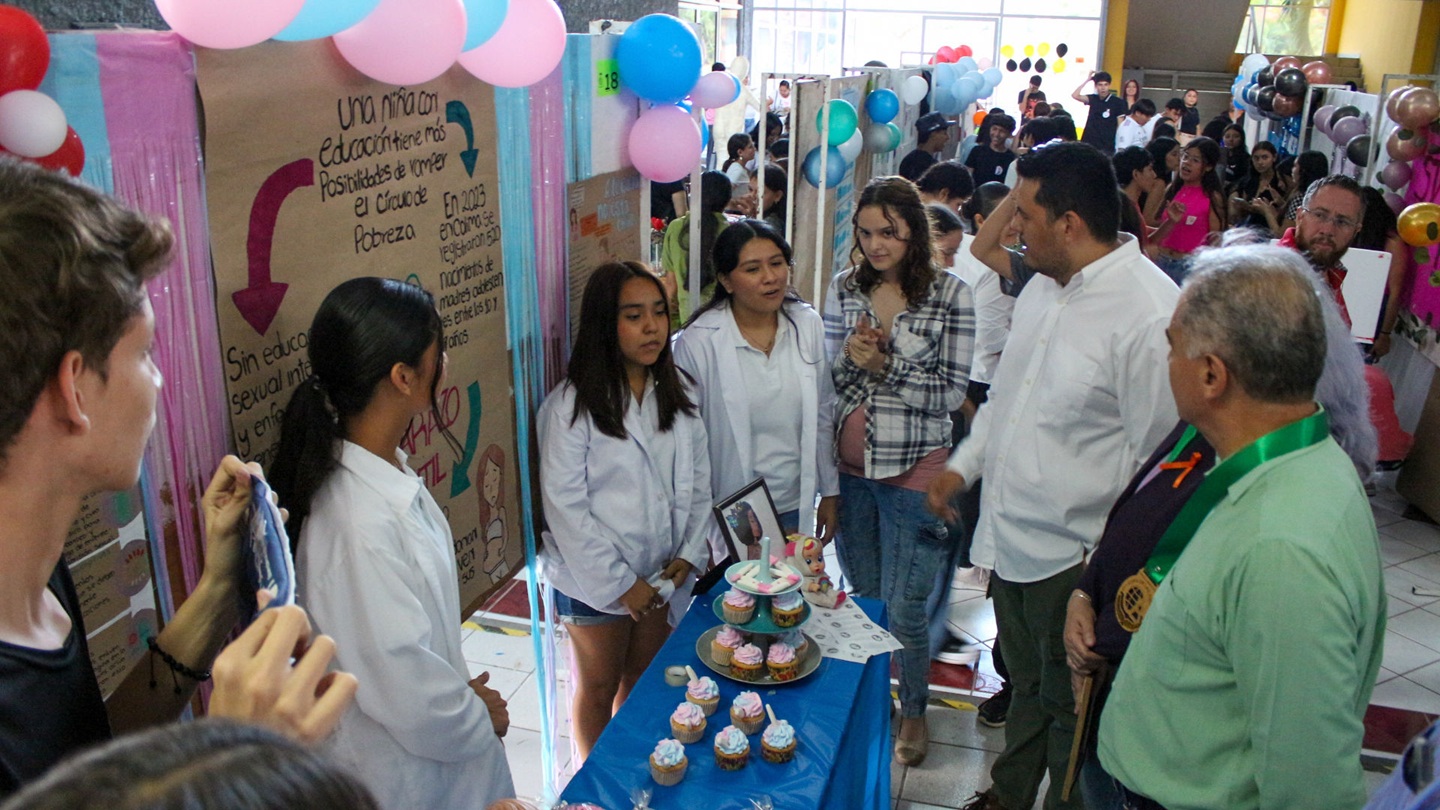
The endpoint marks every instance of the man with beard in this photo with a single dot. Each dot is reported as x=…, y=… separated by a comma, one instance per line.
x=1326, y=223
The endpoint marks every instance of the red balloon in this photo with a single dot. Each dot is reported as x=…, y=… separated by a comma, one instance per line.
x=1394, y=100
x=1285, y=106
x=964, y=50
x=70, y=157
x=24, y=51
x=1285, y=62
x=1403, y=148
x=1317, y=72
x=946, y=54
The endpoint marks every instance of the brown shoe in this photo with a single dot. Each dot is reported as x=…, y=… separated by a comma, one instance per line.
x=912, y=750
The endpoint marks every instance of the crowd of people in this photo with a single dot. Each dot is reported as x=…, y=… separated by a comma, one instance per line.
x=1056, y=319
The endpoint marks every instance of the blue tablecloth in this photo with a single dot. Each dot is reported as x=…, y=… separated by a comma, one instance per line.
x=841, y=715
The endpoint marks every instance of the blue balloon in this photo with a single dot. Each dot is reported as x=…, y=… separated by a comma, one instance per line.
x=946, y=74
x=968, y=87
x=659, y=58
x=835, y=167
x=882, y=105
x=967, y=64
x=322, y=18
x=482, y=20
x=943, y=100
x=993, y=76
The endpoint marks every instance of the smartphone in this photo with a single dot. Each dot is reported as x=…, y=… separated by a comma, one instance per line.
x=267, y=562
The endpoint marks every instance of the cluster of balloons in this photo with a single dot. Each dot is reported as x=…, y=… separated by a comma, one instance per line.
x=506, y=43
x=946, y=54
x=844, y=139
x=1416, y=111
x=1057, y=63
x=32, y=125
x=1347, y=127
x=963, y=83
x=658, y=57
x=1276, y=91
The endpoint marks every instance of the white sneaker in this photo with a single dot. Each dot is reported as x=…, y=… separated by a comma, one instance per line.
x=958, y=652
x=970, y=579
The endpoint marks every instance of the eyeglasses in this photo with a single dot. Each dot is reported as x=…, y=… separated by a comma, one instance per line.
x=1326, y=218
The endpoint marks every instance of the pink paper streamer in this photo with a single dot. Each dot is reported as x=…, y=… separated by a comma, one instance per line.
x=148, y=83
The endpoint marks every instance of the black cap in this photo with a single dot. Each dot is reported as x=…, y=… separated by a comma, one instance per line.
x=930, y=123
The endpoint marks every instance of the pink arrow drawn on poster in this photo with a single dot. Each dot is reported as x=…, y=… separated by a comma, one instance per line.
x=259, y=301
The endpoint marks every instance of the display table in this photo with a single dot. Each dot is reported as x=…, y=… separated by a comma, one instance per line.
x=841, y=716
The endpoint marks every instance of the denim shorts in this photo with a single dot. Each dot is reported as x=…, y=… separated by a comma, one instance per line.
x=573, y=611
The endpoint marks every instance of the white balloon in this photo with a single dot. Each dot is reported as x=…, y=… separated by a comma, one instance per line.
x=1252, y=63
x=914, y=90
x=851, y=148
x=31, y=123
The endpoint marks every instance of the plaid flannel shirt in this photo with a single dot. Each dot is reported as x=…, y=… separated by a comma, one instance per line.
x=909, y=401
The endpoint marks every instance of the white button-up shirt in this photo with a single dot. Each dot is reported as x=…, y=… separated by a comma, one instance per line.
x=621, y=508
x=1080, y=397
x=376, y=568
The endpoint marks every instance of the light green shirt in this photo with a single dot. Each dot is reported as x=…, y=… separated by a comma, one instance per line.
x=1247, y=684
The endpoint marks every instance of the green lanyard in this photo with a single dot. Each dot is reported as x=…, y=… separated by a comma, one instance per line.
x=1295, y=436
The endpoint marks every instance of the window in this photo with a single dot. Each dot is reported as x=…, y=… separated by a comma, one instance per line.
x=1285, y=26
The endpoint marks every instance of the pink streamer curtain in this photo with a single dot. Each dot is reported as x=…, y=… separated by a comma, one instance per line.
x=148, y=82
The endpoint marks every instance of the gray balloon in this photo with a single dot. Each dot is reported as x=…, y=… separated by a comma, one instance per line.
x=1357, y=150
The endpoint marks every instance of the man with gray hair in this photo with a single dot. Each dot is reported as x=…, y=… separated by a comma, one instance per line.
x=1248, y=681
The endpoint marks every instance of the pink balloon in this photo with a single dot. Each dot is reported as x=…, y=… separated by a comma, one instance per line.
x=715, y=89
x=985, y=62
x=1395, y=201
x=226, y=23
x=405, y=42
x=664, y=143
x=1346, y=128
x=1395, y=175
x=527, y=47
x=1322, y=118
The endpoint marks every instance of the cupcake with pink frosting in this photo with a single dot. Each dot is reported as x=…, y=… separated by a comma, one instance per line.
x=739, y=607
x=777, y=744
x=668, y=762
x=687, y=722
x=703, y=693
x=782, y=662
x=747, y=712
x=724, y=644
x=731, y=749
x=747, y=663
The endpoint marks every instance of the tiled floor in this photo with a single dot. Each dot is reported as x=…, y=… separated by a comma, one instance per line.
x=1406, y=698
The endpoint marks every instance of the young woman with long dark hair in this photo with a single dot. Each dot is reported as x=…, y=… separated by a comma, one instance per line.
x=899, y=332
x=757, y=353
x=625, y=481
x=375, y=558
x=1194, y=207
x=1261, y=189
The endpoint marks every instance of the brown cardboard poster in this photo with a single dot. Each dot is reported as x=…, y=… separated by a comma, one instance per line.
x=109, y=558
x=604, y=223
x=316, y=174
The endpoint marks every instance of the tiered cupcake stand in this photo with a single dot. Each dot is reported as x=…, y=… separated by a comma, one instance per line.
x=761, y=630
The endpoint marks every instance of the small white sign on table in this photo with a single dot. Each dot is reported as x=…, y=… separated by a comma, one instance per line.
x=847, y=634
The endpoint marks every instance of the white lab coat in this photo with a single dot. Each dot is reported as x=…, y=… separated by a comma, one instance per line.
x=376, y=570
x=610, y=519
x=706, y=349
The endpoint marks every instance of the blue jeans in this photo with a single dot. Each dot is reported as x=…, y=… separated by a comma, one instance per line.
x=890, y=548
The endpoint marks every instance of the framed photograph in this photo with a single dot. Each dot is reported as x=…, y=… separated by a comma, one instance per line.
x=745, y=517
